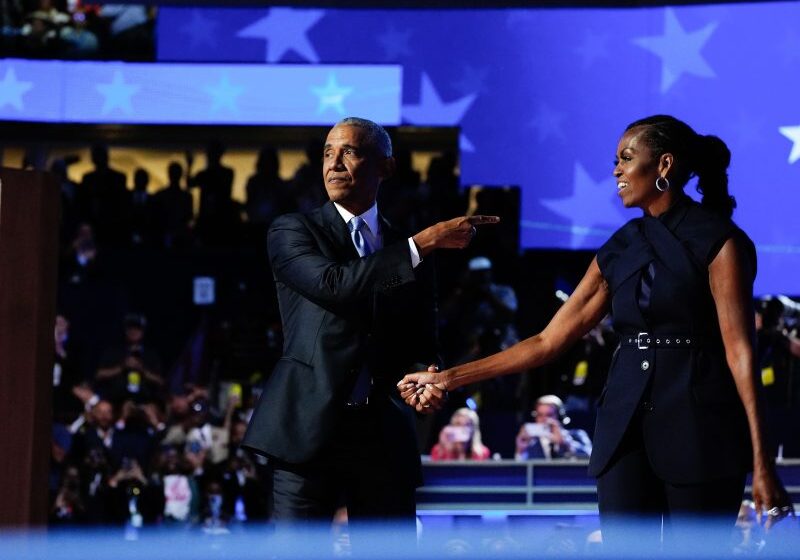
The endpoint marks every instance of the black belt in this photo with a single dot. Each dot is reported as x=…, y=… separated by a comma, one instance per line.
x=645, y=340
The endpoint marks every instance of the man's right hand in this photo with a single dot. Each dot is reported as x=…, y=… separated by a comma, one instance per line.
x=451, y=234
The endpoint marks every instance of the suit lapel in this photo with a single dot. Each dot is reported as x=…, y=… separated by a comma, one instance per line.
x=338, y=231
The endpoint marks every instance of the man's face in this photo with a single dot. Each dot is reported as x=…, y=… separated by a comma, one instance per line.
x=352, y=169
x=103, y=414
x=546, y=413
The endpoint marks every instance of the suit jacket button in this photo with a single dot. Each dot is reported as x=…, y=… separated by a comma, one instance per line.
x=645, y=365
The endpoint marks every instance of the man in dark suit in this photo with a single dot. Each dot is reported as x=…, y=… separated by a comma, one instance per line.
x=357, y=312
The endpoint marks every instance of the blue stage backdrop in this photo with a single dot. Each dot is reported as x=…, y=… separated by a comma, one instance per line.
x=541, y=96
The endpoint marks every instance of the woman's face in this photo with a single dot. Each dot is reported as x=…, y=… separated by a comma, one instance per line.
x=636, y=170
x=462, y=420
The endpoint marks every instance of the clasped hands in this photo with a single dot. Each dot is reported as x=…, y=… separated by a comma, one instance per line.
x=425, y=392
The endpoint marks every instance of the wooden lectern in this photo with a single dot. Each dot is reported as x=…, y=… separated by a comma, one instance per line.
x=29, y=215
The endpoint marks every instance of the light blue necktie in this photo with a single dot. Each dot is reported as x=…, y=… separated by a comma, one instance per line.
x=355, y=225
x=360, y=393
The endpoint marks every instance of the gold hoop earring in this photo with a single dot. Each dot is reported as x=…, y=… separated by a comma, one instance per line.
x=664, y=188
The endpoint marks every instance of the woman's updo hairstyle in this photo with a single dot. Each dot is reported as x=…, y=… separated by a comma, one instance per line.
x=704, y=157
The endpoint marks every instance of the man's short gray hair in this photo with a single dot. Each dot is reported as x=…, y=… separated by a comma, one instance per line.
x=376, y=134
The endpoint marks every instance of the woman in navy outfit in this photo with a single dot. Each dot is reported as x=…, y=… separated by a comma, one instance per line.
x=679, y=423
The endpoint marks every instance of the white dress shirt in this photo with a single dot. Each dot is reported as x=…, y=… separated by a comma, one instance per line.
x=372, y=232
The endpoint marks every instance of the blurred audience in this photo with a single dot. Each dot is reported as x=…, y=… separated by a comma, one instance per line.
x=547, y=437
x=130, y=369
x=76, y=30
x=461, y=439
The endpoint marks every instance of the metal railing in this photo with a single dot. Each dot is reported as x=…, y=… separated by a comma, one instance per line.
x=559, y=484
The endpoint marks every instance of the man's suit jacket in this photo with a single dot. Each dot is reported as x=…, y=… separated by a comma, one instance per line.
x=341, y=313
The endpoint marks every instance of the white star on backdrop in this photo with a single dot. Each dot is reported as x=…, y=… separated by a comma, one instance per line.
x=331, y=95
x=679, y=50
x=590, y=202
x=201, y=30
x=224, y=95
x=12, y=90
x=793, y=134
x=432, y=111
x=395, y=43
x=547, y=122
x=284, y=30
x=117, y=94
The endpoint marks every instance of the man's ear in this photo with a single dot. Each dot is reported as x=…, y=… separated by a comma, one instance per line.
x=665, y=164
x=387, y=167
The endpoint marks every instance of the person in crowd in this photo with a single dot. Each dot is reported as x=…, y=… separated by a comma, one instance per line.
x=95, y=429
x=308, y=187
x=173, y=210
x=679, y=423
x=218, y=218
x=141, y=213
x=133, y=497
x=547, y=437
x=130, y=370
x=77, y=39
x=356, y=303
x=245, y=494
x=461, y=439
x=68, y=507
x=268, y=196
x=95, y=473
x=478, y=317
x=179, y=489
x=66, y=374
x=477, y=320
x=103, y=198
x=78, y=264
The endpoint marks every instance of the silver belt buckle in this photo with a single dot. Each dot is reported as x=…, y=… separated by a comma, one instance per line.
x=641, y=343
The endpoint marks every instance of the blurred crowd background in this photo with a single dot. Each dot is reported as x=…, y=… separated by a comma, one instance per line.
x=168, y=325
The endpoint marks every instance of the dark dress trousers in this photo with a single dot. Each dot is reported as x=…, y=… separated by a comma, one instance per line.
x=673, y=379
x=341, y=314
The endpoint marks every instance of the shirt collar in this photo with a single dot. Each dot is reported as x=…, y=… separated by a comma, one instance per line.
x=370, y=216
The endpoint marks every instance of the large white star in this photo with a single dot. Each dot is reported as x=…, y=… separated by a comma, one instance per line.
x=432, y=111
x=331, y=95
x=679, y=51
x=285, y=29
x=224, y=95
x=593, y=208
x=11, y=90
x=793, y=134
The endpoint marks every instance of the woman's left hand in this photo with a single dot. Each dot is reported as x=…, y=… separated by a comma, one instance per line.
x=423, y=391
x=770, y=497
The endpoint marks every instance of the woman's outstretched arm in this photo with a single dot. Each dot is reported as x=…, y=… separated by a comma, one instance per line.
x=582, y=311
